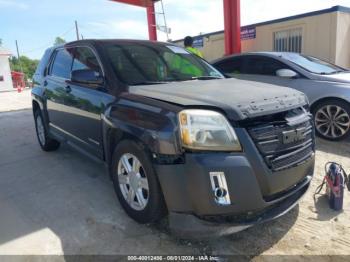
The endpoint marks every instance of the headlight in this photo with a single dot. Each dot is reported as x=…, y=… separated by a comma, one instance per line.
x=207, y=130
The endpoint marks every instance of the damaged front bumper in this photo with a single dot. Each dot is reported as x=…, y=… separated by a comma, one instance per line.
x=191, y=226
x=256, y=194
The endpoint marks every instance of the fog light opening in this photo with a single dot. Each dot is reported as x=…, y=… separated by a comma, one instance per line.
x=220, y=192
x=219, y=187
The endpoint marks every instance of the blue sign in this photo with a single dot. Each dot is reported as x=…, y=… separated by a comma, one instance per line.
x=248, y=33
x=198, y=42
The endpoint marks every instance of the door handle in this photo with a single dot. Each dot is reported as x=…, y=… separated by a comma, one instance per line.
x=68, y=89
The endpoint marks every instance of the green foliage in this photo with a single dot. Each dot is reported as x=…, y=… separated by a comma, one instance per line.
x=28, y=65
x=59, y=41
x=0, y=42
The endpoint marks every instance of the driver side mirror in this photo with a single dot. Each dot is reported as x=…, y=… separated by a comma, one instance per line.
x=86, y=76
x=286, y=73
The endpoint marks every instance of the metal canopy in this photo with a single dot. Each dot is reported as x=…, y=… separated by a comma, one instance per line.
x=142, y=3
x=232, y=18
x=151, y=16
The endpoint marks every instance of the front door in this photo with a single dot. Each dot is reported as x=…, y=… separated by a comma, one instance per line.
x=86, y=104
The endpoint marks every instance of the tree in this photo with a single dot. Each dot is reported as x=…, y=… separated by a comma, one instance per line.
x=0, y=42
x=59, y=41
x=28, y=65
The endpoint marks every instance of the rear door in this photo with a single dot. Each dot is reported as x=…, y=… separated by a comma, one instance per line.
x=55, y=84
x=86, y=103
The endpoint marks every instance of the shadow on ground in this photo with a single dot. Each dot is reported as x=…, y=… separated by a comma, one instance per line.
x=340, y=148
x=322, y=209
x=250, y=242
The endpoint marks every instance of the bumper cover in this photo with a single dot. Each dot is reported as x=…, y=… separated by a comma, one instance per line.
x=191, y=202
x=191, y=226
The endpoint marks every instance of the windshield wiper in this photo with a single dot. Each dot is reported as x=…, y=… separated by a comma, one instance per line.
x=339, y=71
x=205, y=77
x=148, y=83
x=333, y=72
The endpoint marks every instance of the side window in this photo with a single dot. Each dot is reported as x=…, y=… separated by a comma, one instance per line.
x=84, y=58
x=231, y=66
x=263, y=66
x=62, y=63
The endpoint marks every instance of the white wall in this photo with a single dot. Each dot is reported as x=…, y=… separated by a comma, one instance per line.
x=319, y=35
x=5, y=71
x=342, y=50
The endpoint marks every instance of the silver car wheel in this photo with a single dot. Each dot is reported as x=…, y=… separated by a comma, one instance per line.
x=133, y=181
x=40, y=130
x=332, y=121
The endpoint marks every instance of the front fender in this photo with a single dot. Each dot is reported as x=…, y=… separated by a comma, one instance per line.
x=152, y=122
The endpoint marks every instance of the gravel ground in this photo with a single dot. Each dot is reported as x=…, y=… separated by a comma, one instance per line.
x=61, y=203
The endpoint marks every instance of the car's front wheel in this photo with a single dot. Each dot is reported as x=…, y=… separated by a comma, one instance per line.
x=332, y=119
x=136, y=184
x=46, y=143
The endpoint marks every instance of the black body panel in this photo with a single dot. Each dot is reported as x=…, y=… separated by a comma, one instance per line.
x=95, y=118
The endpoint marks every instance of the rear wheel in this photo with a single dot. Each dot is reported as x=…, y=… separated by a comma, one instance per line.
x=136, y=184
x=45, y=142
x=332, y=119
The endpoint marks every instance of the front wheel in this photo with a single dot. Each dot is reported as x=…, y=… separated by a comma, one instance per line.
x=332, y=120
x=45, y=142
x=136, y=184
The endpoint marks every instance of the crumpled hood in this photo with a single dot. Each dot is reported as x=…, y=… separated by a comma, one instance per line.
x=240, y=99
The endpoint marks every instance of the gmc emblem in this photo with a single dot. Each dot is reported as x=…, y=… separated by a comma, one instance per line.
x=292, y=136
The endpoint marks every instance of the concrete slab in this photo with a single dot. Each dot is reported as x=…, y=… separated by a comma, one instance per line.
x=12, y=100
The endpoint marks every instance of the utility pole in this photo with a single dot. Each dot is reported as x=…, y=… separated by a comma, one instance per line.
x=19, y=60
x=77, y=29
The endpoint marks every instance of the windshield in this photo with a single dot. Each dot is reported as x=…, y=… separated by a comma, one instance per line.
x=313, y=65
x=137, y=64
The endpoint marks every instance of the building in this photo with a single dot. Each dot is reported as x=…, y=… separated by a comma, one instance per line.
x=324, y=34
x=5, y=72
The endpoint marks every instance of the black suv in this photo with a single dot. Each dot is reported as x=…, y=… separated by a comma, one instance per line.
x=218, y=155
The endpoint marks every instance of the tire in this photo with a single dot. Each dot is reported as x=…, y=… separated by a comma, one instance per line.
x=46, y=143
x=332, y=119
x=138, y=189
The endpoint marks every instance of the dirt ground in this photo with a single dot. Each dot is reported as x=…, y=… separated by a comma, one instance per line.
x=62, y=203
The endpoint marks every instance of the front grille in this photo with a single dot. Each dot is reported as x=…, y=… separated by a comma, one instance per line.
x=284, y=143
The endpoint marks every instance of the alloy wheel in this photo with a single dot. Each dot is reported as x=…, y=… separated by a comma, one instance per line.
x=332, y=121
x=133, y=181
x=40, y=129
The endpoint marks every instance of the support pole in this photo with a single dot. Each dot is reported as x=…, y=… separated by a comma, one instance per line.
x=151, y=18
x=19, y=58
x=76, y=29
x=232, y=20
x=166, y=26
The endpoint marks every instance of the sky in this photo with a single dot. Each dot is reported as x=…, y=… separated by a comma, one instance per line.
x=35, y=24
